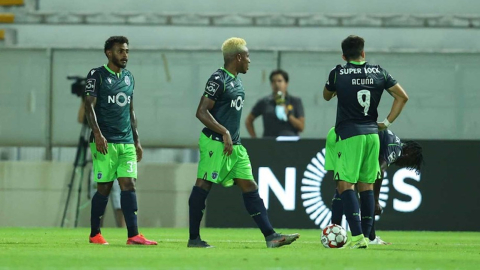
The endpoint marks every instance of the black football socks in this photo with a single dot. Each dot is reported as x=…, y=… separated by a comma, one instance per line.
x=128, y=200
x=351, y=210
x=196, y=204
x=256, y=208
x=337, y=209
x=367, y=202
x=99, y=203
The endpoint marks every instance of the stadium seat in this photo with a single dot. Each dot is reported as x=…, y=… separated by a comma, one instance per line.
x=11, y=3
x=7, y=17
x=2, y=34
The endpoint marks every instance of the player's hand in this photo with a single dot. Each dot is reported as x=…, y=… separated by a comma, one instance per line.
x=381, y=126
x=139, y=150
x=378, y=209
x=101, y=144
x=228, y=144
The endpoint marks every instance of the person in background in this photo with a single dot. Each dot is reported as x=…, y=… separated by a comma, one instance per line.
x=282, y=113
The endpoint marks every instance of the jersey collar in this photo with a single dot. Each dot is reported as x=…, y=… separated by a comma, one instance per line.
x=111, y=71
x=358, y=63
x=230, y=74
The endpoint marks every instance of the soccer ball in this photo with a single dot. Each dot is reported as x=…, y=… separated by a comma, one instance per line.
x=334, y=236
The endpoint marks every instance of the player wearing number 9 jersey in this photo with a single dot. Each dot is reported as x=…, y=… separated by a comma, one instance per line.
x=359, y=87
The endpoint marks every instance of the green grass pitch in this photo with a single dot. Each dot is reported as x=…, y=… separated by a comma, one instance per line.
x=53, y=248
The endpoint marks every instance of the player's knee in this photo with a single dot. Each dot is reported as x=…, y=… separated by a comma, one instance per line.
x=104, y=188
x=247, y=185
x=205, y=185
x=127, y=185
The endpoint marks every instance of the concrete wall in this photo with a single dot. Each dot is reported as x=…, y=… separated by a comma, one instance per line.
x=33, y=194
x=442, y=88
x=251, y=6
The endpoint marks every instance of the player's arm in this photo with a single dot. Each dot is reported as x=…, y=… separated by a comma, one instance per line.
x=91, y=90
x=136, y=139
x=100, y=141
x=400, y=98
x=249, y=125
x=330, y=91
x=378, y=186
x=81, y=112
x=203, y=114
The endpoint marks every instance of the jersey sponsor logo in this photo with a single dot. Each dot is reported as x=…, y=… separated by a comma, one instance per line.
x=362, y=81
x=127, y=80
x=347, y=71
x=212, y=88
x=237, y=103
x=121, y=99
x=315, y=205
x=90, y=85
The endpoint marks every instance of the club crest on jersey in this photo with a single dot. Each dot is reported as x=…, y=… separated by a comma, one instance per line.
x=127, y=80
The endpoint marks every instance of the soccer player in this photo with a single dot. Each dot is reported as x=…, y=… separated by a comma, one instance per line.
x=359, y=87
x=406, y=154
x=115, y=144
x=223, y=160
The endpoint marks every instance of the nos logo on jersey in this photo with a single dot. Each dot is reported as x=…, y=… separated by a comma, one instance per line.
x=120, y=99
x=237, y=103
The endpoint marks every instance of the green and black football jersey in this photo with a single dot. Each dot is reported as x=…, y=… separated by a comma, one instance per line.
x=114, y=92
x=228, y=93
x=359, y=88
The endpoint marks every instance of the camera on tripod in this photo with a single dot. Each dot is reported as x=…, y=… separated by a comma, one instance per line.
x=78, y=87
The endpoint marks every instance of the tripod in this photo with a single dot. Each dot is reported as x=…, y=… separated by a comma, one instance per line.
x=78, y=168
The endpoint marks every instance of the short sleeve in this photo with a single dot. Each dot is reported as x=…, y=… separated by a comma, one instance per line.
x=299, y=112
x=332, y=77
x=93, y=83
x=259, y=107
x=214, y=87
x=389, y=80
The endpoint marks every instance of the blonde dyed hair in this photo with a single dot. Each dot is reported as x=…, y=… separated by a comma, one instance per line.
x=233, y=46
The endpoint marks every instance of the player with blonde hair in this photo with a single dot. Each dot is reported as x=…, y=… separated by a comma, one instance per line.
x=223, y=159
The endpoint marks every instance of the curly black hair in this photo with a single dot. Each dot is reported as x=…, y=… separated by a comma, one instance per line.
x=112, y=41
x=412, y=156
x=279, y=72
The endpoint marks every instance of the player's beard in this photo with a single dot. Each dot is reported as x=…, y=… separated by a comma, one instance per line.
x=119, y=63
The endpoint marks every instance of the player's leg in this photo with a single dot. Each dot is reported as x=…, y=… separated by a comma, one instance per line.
x=103, y=175
x=347, y=169
x=127, y=176
x=243, y=178
x=330, y=154
x=209, y=168
x=370, y=171
x=196, y=205
x=116, y=203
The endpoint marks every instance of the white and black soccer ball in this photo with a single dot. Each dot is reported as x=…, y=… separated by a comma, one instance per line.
x=334, y=236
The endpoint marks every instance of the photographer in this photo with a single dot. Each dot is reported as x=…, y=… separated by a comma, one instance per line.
x=282, y=113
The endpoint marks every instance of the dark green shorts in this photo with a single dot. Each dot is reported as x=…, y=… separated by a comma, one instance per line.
x=357, y=159
x=120, y=161
x=218, y=168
